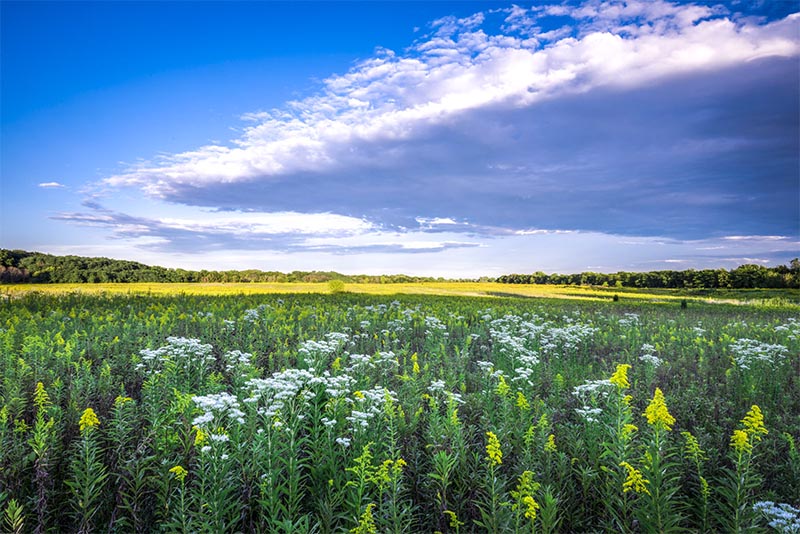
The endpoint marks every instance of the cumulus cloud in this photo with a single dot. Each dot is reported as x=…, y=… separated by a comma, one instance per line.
x=642, y=118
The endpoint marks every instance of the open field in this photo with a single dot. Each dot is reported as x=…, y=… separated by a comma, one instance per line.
x=407, y=413
x=770, y=297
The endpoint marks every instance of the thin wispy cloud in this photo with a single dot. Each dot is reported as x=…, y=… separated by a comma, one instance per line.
x=638, y=118
x=51, y=185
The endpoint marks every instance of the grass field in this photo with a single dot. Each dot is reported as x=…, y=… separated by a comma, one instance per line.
x=768, y=297
x=232, y=408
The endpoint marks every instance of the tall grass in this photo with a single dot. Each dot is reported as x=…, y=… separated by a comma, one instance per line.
x=347, y=412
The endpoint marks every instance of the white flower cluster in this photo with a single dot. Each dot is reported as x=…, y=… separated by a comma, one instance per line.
x=648, y=356
x=565, y=339
x=434, y=326
x=370, y=403
x=589, y=414
x=592, y=389
x=782, y=517
x=792, y=327
x=747, y=352
x=252, y=315
x=629, y=320
x=326, y=347
x=184, y=352
x=216, y=407
x=512, y=336
x=236, y=359
x=278, y=389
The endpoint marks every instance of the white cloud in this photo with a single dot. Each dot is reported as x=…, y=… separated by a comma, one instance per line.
x=397, y=97
x=51, y=185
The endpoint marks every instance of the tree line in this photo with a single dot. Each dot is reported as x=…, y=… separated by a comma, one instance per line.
x=19, y=266
x=742, y=277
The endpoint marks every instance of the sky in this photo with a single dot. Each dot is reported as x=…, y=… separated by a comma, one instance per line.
x=454, y=139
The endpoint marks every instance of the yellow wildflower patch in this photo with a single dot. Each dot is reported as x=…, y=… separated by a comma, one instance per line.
x=657, y=413
x=635, y=481
x=620, y=376
x=493, y=451
x=88, y=420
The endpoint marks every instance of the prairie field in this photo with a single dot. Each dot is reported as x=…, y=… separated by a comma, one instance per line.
x=449, y=407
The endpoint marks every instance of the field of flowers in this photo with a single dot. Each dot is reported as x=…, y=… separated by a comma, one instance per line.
x=356, y=413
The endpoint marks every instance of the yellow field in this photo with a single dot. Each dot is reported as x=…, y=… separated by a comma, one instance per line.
x=473, y=289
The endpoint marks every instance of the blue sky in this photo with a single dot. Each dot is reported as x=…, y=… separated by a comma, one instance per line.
x=433, y=138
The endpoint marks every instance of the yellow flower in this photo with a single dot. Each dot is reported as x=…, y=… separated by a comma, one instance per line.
x=200, y=437
x=620, y=376
x=530, y=507
x=627, y=399
x=415, y=361
x=40, y=397
x=754, y=423
x=522, y=402
x=337, y=364
x=741, y=442
x=628, y=430
x=493, y=452
x=550, y=446
x=453, y=519
x=502, y=387
x=120, y=400
x=358, y=394
x=179, y=472
x=88, y=420
x=635, y=481
x=366, y=525
x=692, y=448
x=657, y=413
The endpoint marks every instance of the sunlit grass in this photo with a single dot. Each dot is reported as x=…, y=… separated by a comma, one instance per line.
x=772, y=297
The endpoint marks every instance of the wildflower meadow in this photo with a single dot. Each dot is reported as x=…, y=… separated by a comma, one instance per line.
x=389, y=414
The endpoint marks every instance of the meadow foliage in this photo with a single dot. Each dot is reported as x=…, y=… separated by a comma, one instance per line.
x=355, y=413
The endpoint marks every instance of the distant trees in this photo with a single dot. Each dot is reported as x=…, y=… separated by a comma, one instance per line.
x=19, y=266
x=744, y=276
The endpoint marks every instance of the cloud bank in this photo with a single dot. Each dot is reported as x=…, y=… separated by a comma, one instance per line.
x=638, y=118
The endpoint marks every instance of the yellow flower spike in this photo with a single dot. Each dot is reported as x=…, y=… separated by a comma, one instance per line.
x=740, y=441
x=415, y=361
x=40, y=397
x=522, y=402
x=179, y=472
x=337, y=364
x=754, y=423
x=692, y=448
x=453, y=519
x=635, y=481
x=530, y=507
x=502, y=387
x=627, y=399
x=550, y=446
x=620, y=376
x=366, y=525
x=657, y=413
x=628, y=430
x=120, y=400
x=454, y=418
x=200, y=438
x=88, y=420
x=493, y=451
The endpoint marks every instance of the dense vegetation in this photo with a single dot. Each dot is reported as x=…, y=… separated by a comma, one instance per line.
x=18, y=266
x=742, y=277
x=353, y=413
